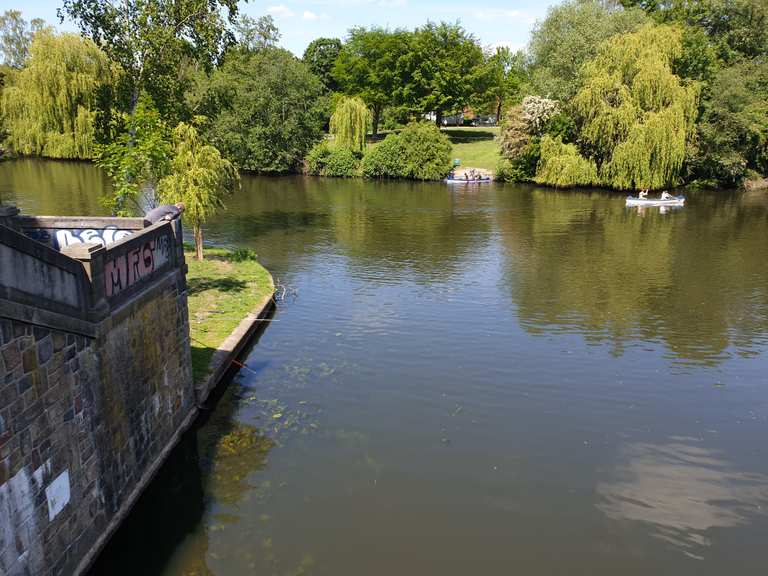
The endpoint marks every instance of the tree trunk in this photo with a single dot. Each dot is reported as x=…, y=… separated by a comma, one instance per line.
x=439, y=118
x=198, y=242
x=377, y=110
x=499, y=104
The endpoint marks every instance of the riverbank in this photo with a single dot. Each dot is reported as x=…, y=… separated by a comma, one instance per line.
x=223, y=289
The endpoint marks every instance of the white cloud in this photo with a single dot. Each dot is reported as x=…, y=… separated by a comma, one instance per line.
x=309, y=15
x=280, y=11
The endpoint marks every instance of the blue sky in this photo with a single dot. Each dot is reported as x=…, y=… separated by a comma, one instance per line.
x=300, y=21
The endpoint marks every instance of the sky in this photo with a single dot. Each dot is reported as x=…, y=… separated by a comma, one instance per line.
x=493, y=22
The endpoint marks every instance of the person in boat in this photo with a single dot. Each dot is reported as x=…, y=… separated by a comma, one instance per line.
x=666, y=195
x=642, y=194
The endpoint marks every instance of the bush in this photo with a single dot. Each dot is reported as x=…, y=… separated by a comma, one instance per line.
x=419, y=152
x=523, y=167
x=384, y=159
x=337, y=161
x=561, y=165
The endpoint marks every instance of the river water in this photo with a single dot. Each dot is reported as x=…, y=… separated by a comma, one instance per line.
x=505, y=379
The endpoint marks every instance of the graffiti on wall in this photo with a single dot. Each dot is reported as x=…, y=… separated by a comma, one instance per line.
x=129, y=268
x=59, y=238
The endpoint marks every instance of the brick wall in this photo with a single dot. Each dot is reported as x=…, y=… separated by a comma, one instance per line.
x=91, y=399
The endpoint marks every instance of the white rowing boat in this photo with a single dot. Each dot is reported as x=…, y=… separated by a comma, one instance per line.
x=672, y=201
x=469, y=181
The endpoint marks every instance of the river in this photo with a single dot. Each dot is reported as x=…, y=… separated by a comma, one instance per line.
x=502, y=379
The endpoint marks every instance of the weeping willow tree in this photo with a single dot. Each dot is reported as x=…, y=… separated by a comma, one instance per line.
x=51, y=106
x=635, y=116
x=561, y=165
x=349, y=123
x=200, y=178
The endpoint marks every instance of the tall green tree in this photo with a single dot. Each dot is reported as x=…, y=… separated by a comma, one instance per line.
x=441, y=71
x=320, y=56
x=16, y=36
x=200, y=178
x=271, y=110
x=504, y=78
x=368, y=65
x=737, y=28
x=635, y=116
x=349, y=123
x=569, y=37
x=151, y=39
x=53, y=107
x=256, y=33
x=733, y=129
x=136, y=159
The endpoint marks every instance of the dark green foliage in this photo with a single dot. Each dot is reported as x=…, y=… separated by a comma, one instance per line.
x=385, y=159
x=320, y=56
x=152, y=40
x=442, y=70
x=137, y=158
x=336, y=161
x=368, y=67
x=523, y=167
x=733, y=130
x=271, y=110
x=563, y=126
x=418, y=152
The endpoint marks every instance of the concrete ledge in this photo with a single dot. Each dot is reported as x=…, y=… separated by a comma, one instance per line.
x=233, y=346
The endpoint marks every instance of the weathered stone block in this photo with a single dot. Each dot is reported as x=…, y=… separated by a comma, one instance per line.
x=11, y=355
x=44, y=350
x=29, y=360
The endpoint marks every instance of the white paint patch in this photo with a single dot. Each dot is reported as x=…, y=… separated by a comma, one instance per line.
x=20, y=547
x=57, y=494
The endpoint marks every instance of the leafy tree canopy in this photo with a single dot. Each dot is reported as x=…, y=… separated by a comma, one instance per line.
x=270, y=110
x=200, y=178
x=320, y=56
x=16, y=36
x=368, y=66
x=53, y=107
x=136, y=159
x=151, y=39
x=502, y=81
x=349, y=124
x=570, y=36
x=256, y=34
x=441, y=71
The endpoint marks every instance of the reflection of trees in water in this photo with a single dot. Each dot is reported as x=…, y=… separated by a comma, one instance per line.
x=381, y=227
x=682, y=491
x=695, y=278
x=60, y=188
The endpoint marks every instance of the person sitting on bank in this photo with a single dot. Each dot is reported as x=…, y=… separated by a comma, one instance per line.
x=165, y=212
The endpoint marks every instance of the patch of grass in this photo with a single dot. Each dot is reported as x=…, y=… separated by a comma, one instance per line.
x=223, y=289
x=476, y=147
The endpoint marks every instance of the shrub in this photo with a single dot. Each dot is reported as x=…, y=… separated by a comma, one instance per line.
x=427, y=152
x=562, y=165
x=338, y=161
x=420, y=152
x=523, y=167
x=385, y=159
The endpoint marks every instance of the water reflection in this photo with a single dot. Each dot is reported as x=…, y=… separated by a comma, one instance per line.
x=694, y=278
x=683, y=490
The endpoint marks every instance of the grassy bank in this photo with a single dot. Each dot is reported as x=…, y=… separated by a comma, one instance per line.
x=475, y=147
x=223, y=289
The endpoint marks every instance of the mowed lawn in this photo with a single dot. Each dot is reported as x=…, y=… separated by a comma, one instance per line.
x=223, y=289
x=475, y=147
